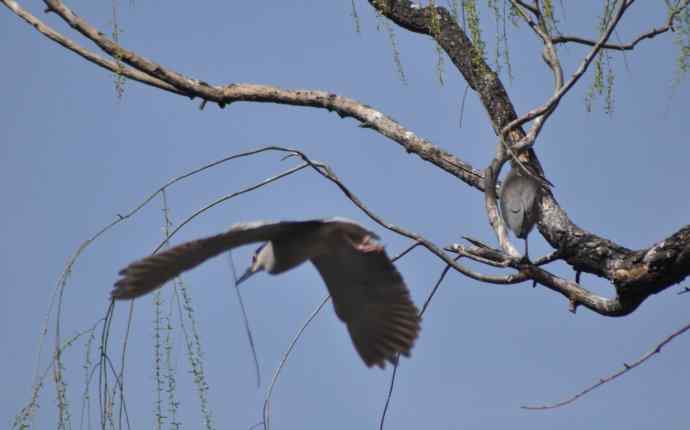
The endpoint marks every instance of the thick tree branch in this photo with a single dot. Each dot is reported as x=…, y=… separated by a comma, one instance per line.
x=368, y=116
x=636, y=274
x=634, y=279
x=113, y=66
x=572, y=291
x=438, y=23
x=171, y=80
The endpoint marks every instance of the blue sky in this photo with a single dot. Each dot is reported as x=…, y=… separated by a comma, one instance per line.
x=73, y=156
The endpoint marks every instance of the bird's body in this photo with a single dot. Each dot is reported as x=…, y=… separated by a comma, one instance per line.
x=519, y=199
x=368, y=293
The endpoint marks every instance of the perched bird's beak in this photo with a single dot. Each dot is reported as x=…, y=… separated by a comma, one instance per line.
x=246, y=275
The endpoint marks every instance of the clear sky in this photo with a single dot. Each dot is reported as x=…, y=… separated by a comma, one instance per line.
x=73, y=156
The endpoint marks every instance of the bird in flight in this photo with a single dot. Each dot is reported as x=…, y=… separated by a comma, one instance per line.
x=368, y=293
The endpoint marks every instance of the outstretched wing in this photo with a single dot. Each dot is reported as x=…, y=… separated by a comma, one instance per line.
x=150, y=273
x=370, y=297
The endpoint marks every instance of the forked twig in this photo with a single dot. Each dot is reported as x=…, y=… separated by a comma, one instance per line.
x=628, y=46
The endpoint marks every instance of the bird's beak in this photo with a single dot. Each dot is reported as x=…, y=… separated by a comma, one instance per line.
x=246, y=275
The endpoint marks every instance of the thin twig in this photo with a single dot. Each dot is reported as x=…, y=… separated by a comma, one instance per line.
x=62, y=281
x=328, y=173
x=113, y=66
x=626, y=368
x=194, y=351
x=269, y=392
x=405, y=252
x=245, y=320
x=121, y=377
x=56, y=301
x=228, y=197
x=628, y=46
x=397, y=362
x=389, y=395
x=462, y=105
x=555, y=99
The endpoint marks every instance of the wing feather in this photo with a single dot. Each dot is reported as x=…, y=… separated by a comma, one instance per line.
x=150, y=273
x=371, y=298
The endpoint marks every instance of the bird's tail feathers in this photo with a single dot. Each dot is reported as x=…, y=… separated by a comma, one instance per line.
x=383, y=331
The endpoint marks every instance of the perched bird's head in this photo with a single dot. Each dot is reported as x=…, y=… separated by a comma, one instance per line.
x=262, y=259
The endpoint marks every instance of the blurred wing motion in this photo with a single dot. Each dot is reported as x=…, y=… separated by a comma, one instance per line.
x=150, y=273
x=370, y=297
x=368, y=293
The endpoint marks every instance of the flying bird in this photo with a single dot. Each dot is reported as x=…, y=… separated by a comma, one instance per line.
x=368, y=293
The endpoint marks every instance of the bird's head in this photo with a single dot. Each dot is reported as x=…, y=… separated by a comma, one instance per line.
x=262, y=259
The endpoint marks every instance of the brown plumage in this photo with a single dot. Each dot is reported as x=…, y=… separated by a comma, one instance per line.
x=368, y=293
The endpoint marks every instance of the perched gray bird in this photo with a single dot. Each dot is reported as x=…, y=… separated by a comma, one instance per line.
x=519, y=198
x=368, y=293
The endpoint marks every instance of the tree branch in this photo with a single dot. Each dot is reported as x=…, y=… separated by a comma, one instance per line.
x=113, y=66
x=626, y=368
x=147, y=71
x=636, y=274
x=628, y=46
x=584, y=251
x=560, y=92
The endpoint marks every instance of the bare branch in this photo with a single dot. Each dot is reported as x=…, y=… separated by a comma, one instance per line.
x=626, y=368
x=269, y=393
x=532, y=8
x=326, y=172
x=150, y=72
x=634, y=277
x=113, y=66
x=628, y=46
x=491, y=205
x=555, y=99
x=405, y=252
x=245, y=322
x=613, y=262
x=389, y=395
x=438, y=23
x=575, y=293
x=396, y=365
